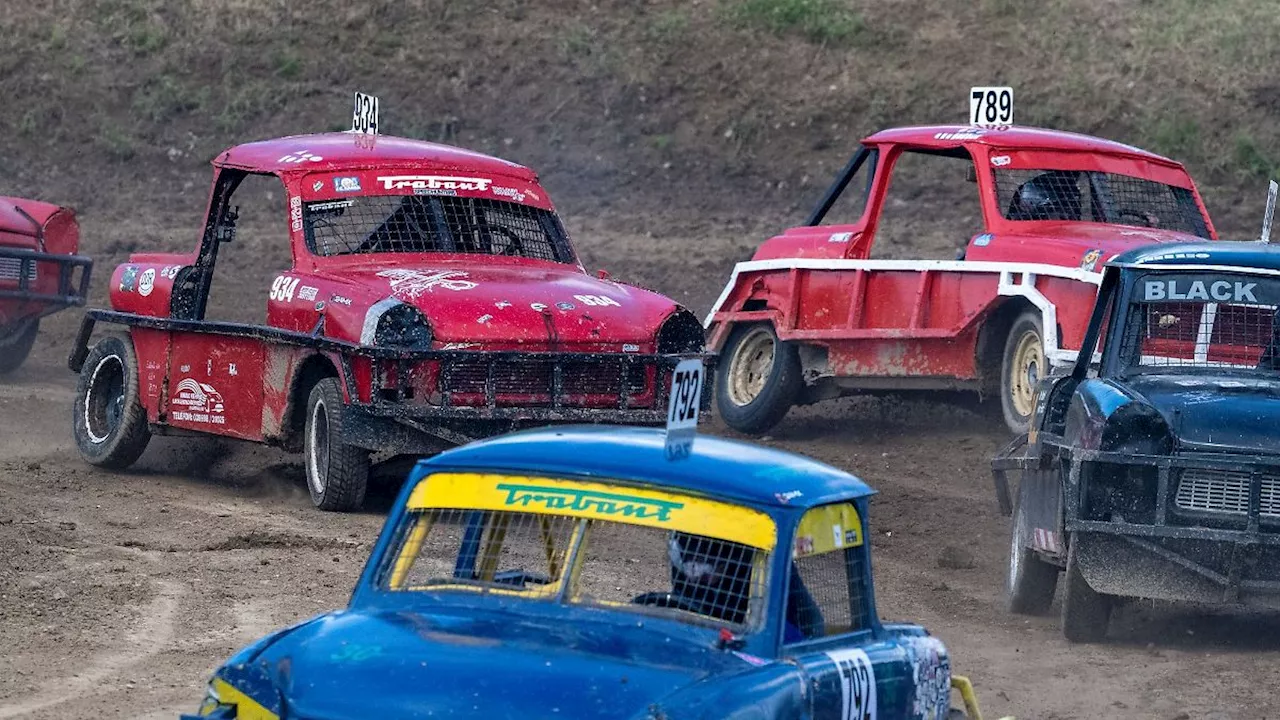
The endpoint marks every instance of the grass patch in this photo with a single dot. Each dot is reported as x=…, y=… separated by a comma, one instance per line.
x=115, y=142
x=1253, y=160
x=668, y=27
x=820, y=21
x=1177, y=137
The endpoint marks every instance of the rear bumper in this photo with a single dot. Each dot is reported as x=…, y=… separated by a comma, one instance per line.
x=22, y=274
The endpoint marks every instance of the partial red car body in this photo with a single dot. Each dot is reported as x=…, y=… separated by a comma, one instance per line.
x=433, y=287
x=38, y=271
x=811, y=317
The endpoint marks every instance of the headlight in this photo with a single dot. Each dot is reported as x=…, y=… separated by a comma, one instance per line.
x=681, y=333
x=391, y=323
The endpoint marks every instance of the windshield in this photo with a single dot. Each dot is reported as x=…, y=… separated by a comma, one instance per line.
x=433, y=224
x=1186, y=321
x=1101, y=197
x=586, y=543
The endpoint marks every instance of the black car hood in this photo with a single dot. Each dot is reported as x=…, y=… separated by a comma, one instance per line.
x=1219, y=413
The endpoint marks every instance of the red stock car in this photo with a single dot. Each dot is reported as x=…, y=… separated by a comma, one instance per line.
x=38, y=261
x=434, y=298
x=814, y=316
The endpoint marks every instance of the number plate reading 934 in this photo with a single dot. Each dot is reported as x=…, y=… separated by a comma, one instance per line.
x=682, y=408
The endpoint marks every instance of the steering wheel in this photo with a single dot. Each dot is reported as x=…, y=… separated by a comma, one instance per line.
x=1144, y=218
x=662, y=600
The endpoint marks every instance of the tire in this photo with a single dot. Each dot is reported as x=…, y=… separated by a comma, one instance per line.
x=108, y=422
x=1032, y=581
x=337, y=473
x=16, y=342
x=1085, y=611
x=1021, y=368
x=760, y=380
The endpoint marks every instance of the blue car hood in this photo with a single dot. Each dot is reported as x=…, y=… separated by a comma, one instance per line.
x=1213, y=413
x=390, y=665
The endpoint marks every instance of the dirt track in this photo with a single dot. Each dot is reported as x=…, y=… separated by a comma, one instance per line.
x=120, y=592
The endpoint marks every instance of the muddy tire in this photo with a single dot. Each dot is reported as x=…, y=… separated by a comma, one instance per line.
x=16, y=342
x=1032, y=581
x=337, y=473
x=1085, y=611
x=1021, y=368
x=108, y=422
x=758, y=381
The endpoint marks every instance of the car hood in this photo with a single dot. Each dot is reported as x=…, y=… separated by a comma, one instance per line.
x=1219, y=413
x=514, y=305
x=409, y=665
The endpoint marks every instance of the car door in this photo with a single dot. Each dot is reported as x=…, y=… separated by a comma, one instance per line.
x=215, y=368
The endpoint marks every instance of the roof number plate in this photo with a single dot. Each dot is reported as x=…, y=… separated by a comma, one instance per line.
x=989, y=106
x=365, y=118
x=682, y=407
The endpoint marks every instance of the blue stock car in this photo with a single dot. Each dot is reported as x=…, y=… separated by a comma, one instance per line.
x=577, y=573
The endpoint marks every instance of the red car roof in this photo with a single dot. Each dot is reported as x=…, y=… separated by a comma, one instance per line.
x=343, y=150
x=1017, y=136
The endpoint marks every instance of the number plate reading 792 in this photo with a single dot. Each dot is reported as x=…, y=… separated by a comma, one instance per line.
x=686, y=396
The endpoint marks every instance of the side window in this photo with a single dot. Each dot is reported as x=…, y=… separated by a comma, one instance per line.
x=931, y=210
x=246, y=266
x=852, y=203
x=826, y=592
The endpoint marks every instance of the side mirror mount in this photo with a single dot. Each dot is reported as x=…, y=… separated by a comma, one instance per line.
x=603, y=274
x=971, y=173
x=227, y=228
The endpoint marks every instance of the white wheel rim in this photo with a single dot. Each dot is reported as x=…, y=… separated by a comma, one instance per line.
x=317, y=444
x=750, y=366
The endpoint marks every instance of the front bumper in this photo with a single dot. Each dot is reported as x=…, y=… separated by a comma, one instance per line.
x=21, y=273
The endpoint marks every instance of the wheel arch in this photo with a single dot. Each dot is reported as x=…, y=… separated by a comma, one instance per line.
x=311, y=370
x=989, y=350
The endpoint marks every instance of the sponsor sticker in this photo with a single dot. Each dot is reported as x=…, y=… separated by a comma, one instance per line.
x=147, y=282
x=1236, y=291
x=346, y=184
x=197, y=402
x=129, y=279
x=299, y=156
x=1000, y=160
x=306, y=292
x=1090, y=260
x=434, y=184
x=413, y=283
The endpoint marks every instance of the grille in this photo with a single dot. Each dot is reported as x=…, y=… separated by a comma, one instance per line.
x=11, y=269
x=430, y=224
x=1225, y=491
x=536, y=377
x=1097, y=197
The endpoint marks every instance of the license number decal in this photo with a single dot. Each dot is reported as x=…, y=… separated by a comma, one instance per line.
x=857, y=684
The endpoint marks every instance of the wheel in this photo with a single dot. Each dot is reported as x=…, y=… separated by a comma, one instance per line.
x=1031, y=581
x=337, y=473
x=1085, y=611
x=15, y=343
x=1020, y=370
x=108, y=422
x=759, y=382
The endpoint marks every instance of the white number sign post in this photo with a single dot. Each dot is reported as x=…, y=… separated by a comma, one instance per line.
x=989, y=106
x=1270, y=212
x=682, y=408
x=365, y=118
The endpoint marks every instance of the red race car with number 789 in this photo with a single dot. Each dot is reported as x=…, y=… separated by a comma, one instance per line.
x=433, y=298
x=831, y=308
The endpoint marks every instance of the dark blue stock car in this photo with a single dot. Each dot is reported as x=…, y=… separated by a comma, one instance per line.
x=1153, y=469
x=577, y=573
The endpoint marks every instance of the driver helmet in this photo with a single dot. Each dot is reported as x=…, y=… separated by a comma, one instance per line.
x=1053, y=195
x=714, y=576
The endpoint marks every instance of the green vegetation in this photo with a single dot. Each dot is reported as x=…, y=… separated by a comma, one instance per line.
x=821, y=21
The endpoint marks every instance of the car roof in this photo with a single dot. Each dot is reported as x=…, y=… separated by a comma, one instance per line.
x=1221, y=254
x=716, y=467
x=942, y=137
x=338, y=151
